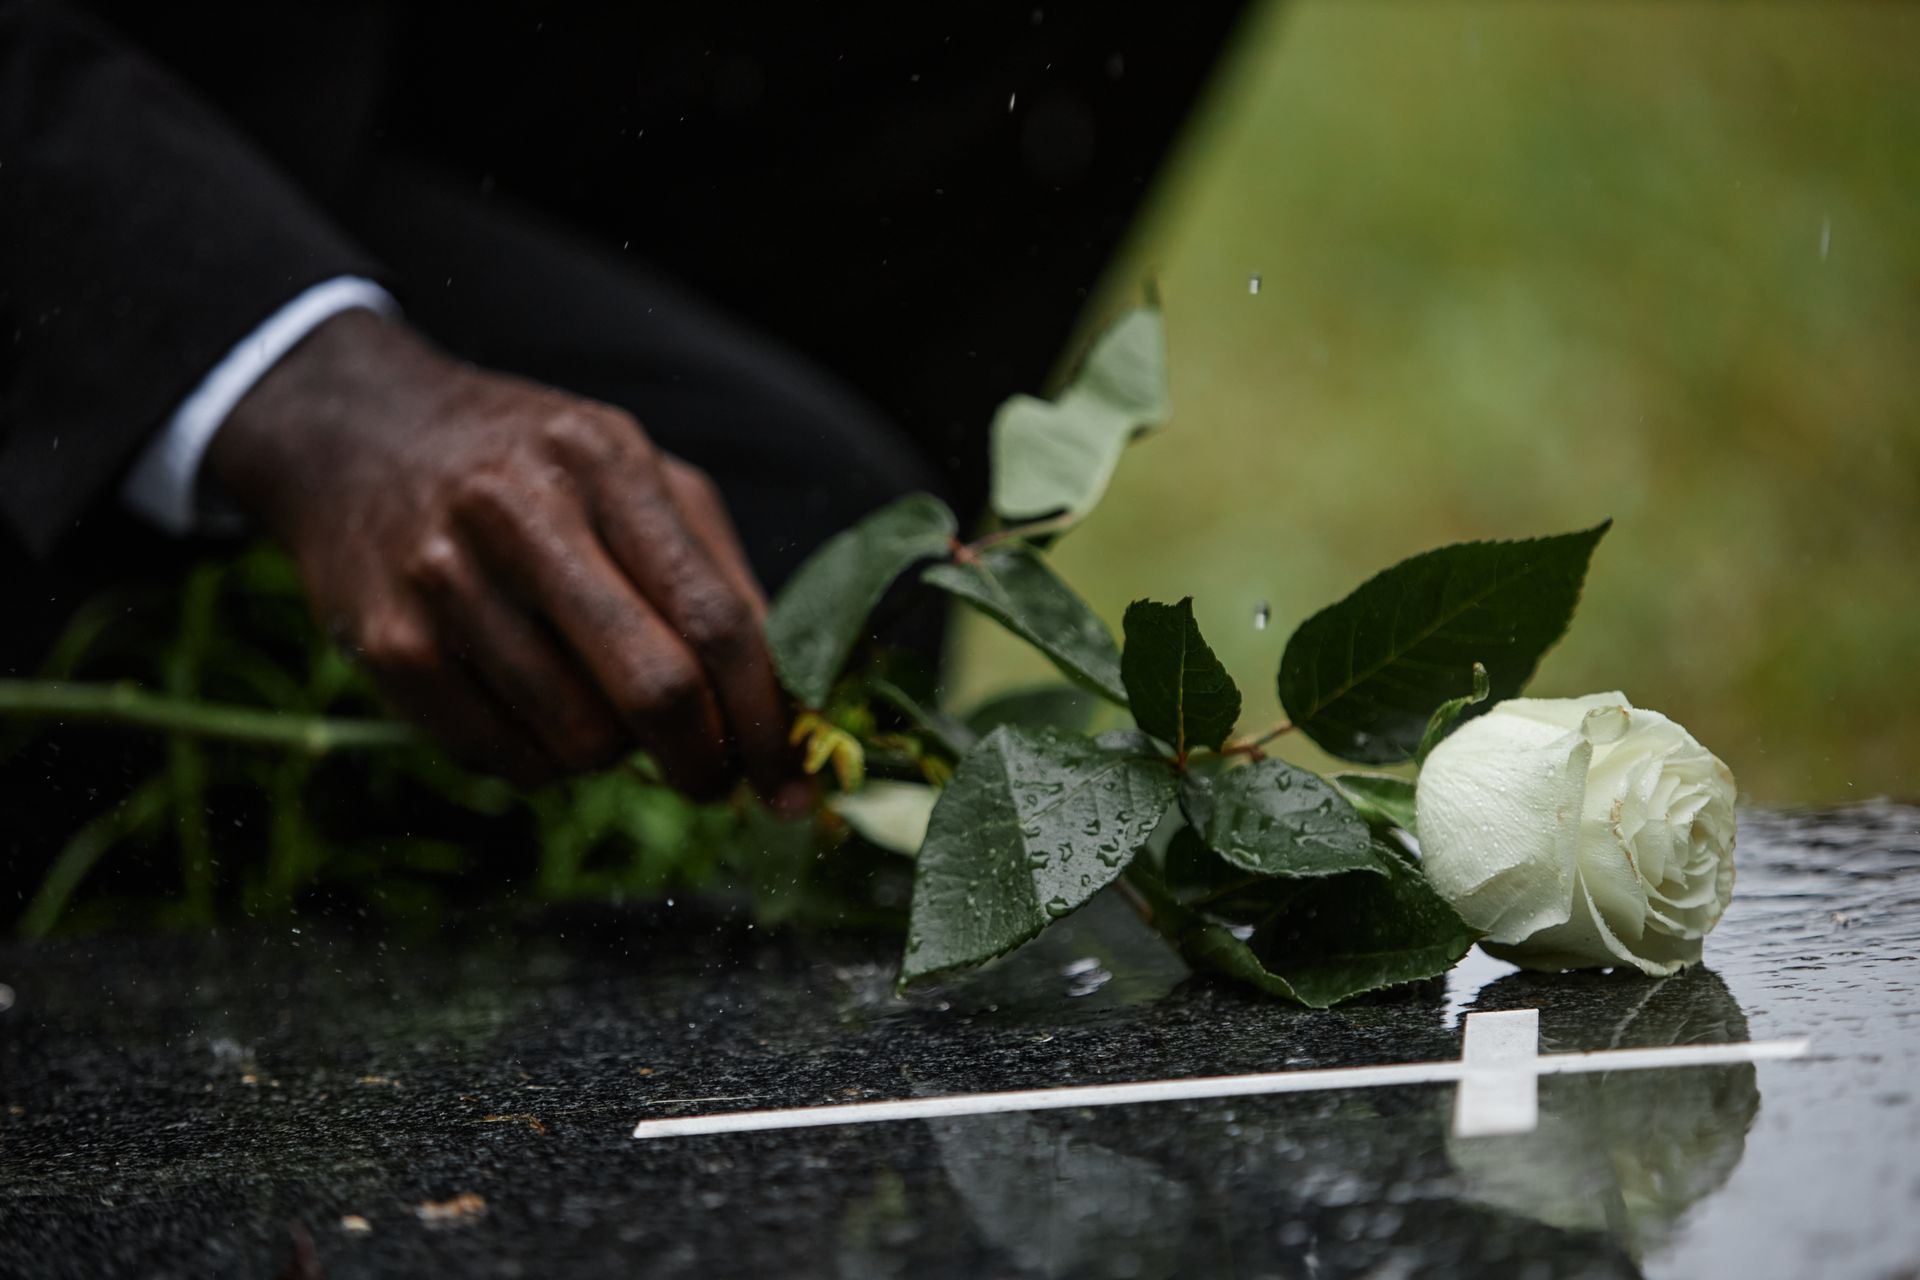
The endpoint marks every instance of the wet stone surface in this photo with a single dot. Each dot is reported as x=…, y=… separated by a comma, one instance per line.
x=463, y=1107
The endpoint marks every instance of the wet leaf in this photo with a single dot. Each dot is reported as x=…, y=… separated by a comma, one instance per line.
x=822, y=612
x=1342, y=937
x=1277, y=820
x=1198, y=877
x=1034, y=824
x=1362, y=677
x=1380, y=798
x=1179, y=691
x=1057, y=456
x=1050, y=706
x=1013, y=586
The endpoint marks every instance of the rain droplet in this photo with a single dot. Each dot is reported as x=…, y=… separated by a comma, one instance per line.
x=1088, y=982
x=1262, y=612
x=1253, y=283
x=1011, y=99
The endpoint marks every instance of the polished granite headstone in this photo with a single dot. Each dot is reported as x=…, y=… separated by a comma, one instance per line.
x=317, y=1102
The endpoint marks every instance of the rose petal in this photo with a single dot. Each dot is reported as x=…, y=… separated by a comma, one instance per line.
x=1608, y=878
x=1498, y=805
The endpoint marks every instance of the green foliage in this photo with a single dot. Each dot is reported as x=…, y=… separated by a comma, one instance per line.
x=1380, y=798
x=1013, y=586
x=1363, y=677
x=1198, y=877
x=818, y=619
x=1343, y=937
x=1044, y=706
x=1034, y=823
x=1273, y=819
x=271, y=787
x=1056, y=457
x=1263, y=872
x=1179, y=691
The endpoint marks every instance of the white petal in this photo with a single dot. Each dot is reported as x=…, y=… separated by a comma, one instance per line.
x=1560, y=713
x=1498, y=805
x=1585, y=942
x=1608, y=876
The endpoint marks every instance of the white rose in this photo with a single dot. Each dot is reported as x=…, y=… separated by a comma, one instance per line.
x=1579, y=832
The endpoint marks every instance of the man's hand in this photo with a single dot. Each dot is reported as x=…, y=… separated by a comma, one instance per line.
x=523, y=572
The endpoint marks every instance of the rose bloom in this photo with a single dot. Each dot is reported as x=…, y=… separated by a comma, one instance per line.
x=1579, y=833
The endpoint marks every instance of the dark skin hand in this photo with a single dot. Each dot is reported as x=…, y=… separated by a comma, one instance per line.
x=523, y=572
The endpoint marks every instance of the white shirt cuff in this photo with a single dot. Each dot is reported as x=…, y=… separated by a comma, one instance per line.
x=164, y=483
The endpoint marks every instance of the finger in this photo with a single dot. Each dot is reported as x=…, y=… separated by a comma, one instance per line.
x=445, y=700
x=536, y=681
x=716, y=611
x=699, y=500
x=775, y=769
x=536, y=536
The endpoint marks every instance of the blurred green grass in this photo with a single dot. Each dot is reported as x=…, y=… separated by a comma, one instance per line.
x=1525, y=266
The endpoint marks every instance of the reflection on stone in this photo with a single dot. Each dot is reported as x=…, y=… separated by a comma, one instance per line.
x=1625, y=1153
x=1058, y=1205
x=1334, y=1183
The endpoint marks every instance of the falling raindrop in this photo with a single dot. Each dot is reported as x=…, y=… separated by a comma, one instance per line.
x=1262, y=615
x=1011, y=99
x=1253, y=283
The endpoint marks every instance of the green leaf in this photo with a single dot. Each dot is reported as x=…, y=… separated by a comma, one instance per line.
x=1362, y=676
x=1343, y=937
x=1277, y=820
x=1048, y=706
x=1382, y=799
x=893, y=815
x=949, y=734
x=1441, y=722
x=823, y=609
x=1132, y=742
x=1216, y=949
x=1034, y=823
x=1058, y=456
x=1180, y=693
x=1013, y=586
x=1198, y=877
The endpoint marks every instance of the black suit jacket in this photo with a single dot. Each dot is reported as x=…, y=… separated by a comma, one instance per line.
x=918, y=197
x=142, y=233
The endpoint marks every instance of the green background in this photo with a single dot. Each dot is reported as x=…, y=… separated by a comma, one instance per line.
x=1523, y=267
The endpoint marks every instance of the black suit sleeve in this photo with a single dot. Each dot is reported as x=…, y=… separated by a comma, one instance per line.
x=141, y=237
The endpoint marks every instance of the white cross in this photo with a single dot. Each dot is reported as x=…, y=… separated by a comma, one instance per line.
x=1498, y=1072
